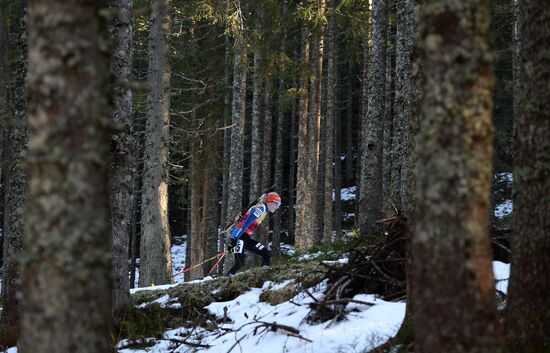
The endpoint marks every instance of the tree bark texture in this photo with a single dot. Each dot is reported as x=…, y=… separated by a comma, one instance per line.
x=292, y=168
x=302, y=161
x=196, y=240
x=123, y=163
x=330, y=160
x=257, y=146
x=278, y=168
x=390, y=175
x=66, y=264
x=528, y=311
x=156, y=259
x=314, y=133
x=372, y=129
x=454, y=290
x=237, y=130
x=15, y=187
x=403, y=142
x=266, y=157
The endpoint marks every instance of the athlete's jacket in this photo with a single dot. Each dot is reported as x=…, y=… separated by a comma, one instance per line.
x=251, y=220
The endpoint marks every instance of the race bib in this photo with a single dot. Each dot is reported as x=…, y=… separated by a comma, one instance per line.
x=258, y=213
x=239, y=247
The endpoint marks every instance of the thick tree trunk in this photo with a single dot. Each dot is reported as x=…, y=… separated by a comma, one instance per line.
x=15, y=188
x=302, y=161
x=123, y=163
x=454, y=291
x=391, y=176
x=330, y=160
x=156, y=260
x=404, y=141
x=372, y=130
x=528, y=313
x=67, y=293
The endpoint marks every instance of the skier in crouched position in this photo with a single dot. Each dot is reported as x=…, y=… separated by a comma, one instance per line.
x=241, y=236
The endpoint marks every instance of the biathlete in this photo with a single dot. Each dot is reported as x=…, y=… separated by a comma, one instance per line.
x=241, y=235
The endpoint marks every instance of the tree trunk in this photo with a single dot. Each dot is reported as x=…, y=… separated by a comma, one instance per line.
x=156, y=260
x=194, y=242
x=404, y=143
x=67, y=293
x=349, y=122
x=528, y=314
x=301, y=178
x=278, y=170
x=257, y=146
x=391, y=175
x=314, y=134
x=330, y=131
x=372, y=130
x=454, y=291
x=123, y=163
x=266, y=158
x=292, y=169
x=238, y=108
x=15, y=187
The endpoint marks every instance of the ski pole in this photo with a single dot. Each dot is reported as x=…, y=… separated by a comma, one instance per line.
x=201, y=263
x=217, y=262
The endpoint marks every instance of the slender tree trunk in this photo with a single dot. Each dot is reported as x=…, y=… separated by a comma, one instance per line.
x=372, y=130
x=278, y=172
x=349, y=122
x=67, y=292
x=16, y=185
x=226, y=134
x=266, y=158
x=314, y=135
x=257, y=145
x=194, y=242
x=292, y=169
x=527, y=311
x=156, y=260
x=206, y=216
x=330, y=131
x=301, y=179
x=337, y=154
x=454, y=291
x=123, y=163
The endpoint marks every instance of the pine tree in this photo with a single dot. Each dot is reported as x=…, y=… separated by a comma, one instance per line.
x=372, y=130
x=454, y=293
x=67, y=294
x=123, y=166
x=156, y=261
x=16, y=184
x=527, y=313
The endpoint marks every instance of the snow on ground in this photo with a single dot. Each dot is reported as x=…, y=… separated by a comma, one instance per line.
x=504, y=209
x=366, y=326
x=348, y=194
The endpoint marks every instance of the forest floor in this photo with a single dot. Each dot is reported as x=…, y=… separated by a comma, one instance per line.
x=267, y=310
